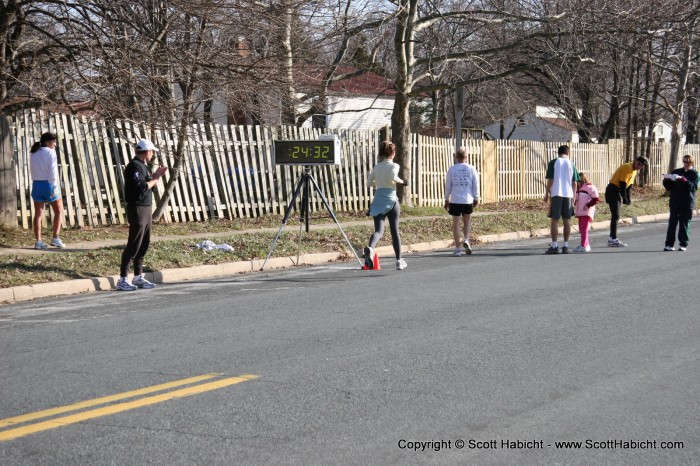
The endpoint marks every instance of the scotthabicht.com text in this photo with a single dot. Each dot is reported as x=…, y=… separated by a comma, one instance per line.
x=533, y=444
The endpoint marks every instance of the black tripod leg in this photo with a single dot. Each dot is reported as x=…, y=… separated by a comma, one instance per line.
x=305, y=201
x=297, y=189
x=330, y=211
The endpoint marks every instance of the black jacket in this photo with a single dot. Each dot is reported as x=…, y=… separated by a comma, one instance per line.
x=136, y=191
x=682, y=192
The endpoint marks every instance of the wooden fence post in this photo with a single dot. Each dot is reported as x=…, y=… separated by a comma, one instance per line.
x=489, y=185
x=385, y=133
x=8, y=182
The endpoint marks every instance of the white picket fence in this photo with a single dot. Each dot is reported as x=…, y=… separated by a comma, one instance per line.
x=228, y=170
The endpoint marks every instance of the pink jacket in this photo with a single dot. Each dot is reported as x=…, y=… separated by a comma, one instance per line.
x=586, y=198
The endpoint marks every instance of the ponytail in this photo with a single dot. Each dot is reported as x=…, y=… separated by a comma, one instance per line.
x=46, y=137
x=386, y=148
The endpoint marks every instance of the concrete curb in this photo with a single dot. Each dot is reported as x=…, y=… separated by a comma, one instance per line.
x=44, y=290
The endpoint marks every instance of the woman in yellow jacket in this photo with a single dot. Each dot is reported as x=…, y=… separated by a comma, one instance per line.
x=618, y=192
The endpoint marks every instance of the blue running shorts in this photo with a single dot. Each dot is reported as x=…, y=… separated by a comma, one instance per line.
x=43, y=191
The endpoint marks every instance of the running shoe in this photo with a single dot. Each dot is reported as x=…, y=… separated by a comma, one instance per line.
x=467, y=247
x=369, y=258
x=57, y=243
x=616, y=243
x=140, y=282
x=124, y=285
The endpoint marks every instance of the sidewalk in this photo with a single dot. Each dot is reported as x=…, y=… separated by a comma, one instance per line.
x=45, y=290
x=204, y=236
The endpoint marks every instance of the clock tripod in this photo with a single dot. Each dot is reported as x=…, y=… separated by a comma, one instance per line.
x=304, y=186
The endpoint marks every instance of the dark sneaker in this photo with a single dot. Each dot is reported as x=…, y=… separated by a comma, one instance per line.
x=565, y=250
x=369, y=258
x=552, y=250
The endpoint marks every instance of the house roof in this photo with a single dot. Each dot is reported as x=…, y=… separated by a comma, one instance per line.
x=561, y=122
x=365, y=83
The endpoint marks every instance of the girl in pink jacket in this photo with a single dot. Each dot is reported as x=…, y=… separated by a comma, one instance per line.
x=584, y=209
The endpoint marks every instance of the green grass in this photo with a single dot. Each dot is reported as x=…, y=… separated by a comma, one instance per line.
x=56, y=265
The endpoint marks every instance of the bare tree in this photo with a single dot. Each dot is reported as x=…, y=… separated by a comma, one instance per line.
x=37, y=54
x=680, y=65
x=492, y=40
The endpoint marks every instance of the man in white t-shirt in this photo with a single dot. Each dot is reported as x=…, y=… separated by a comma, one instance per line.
x=561, y=186
x=461, y=196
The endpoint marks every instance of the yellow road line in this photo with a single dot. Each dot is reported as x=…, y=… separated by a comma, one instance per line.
x=106, y=399
x=120, y=407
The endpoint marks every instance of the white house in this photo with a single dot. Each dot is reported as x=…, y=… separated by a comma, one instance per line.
x=546, y=124
x=661, y=132
x=363, y=102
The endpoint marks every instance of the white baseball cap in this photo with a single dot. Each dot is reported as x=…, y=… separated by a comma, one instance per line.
x=144, y=145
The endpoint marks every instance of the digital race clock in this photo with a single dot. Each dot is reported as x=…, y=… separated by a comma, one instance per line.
x=324, y=151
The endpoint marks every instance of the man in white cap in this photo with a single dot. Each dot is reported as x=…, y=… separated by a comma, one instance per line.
x=138, y=186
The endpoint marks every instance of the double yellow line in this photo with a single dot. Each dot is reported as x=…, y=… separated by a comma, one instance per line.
x=17, y=432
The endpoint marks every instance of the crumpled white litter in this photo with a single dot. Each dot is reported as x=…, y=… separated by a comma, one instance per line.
x=208, y=245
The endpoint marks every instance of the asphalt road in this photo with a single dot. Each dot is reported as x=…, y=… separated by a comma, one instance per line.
x=343, y=366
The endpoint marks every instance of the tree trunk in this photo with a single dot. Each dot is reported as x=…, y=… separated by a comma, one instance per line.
x=676, y=159
x=174, y=171
x=401, y=133
x=8, y=182
x=179, y=156
x=400, y=118
x=288, y=108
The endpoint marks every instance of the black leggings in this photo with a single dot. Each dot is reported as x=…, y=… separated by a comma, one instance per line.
x=614, y=201
x=140, y=221
x=615, y=210
x=393, y=216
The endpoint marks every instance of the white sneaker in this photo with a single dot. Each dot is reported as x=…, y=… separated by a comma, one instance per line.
x=682, y=248
x=401, y=264
x=457, y=252
x=56, y=242
x=579, y=249
x=616, y=243
x=669, y=248
x=124, y=285
x=140, y=282
x=40, y=245
x=588, y=248
x=467, y=247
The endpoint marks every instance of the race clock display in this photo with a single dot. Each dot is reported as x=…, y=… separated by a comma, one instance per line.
x=324, y=151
